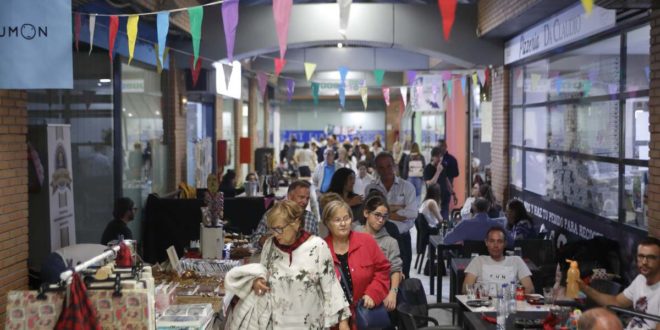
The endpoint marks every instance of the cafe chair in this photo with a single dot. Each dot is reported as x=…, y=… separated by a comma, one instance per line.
x=604, y=286
x=414, y=309
x=423, y=233
x=470, y=247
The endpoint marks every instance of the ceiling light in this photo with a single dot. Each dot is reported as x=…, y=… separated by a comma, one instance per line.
x=130, y=114
x=104, y=80
x=158, y=113
x=123, y=109
x=99, y=84
x=340, y=45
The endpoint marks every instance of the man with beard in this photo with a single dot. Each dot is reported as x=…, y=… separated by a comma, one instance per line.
x=643, y=294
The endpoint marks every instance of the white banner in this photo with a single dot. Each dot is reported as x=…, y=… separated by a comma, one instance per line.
x=60, y=187
x=570, y=25
x=35, y=44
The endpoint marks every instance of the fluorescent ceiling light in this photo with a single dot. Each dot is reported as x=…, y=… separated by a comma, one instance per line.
x=340, y=45
x=105, y=80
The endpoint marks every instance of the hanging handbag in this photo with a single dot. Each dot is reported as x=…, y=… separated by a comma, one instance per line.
x=366, y=318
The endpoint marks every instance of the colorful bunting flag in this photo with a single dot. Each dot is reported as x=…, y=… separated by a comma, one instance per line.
x=196, y=15
x=131, y=32
x=195, y=69
x=486, y=76
x=159, y=64
x=481, y=74
x=290, y=87
x=92, y=25
x=343, y=71
x=282, y=14
x=448, y=12
x=262, y=82
x=404, y=95
x=475, y=79
x=379, y=75
x=446, y=75
x=279, y=65
x=342, y=95
x=386, y=95
x=344, y=13
x=364, y=94
x=463, y=84
x=162, y=26
x=586, y=87
x=230, y=23
x=411, y=74
x=588, y=6
x=309, y=70
x=315, y=92
x=77, y=21
x=112, y=33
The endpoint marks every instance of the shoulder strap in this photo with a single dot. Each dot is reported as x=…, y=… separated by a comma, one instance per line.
x=348, y=288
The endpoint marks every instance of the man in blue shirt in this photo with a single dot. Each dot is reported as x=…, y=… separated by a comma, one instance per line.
x=475, y=229
x=324, y=171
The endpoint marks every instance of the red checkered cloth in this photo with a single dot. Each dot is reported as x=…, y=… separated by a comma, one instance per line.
x=78, y=312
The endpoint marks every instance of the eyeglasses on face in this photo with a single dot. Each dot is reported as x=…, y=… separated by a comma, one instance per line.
x=380, y=215
x=338, y=220
x=648, y=257
x=279, y=230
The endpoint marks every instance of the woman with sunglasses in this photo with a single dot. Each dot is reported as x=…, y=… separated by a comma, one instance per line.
x=376, y=212
x=360, y=265
x=304, y=292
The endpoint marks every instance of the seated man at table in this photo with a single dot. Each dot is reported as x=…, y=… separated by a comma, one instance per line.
x=475, y=229
x=298, y=192
x=643, y=294
x=496, y=267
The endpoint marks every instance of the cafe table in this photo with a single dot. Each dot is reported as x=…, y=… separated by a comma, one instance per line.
x=521, y=306
x=457, y=274
x=474, y=320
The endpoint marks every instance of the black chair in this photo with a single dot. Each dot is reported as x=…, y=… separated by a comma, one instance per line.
x=414, y=309
x=539, y=251
x=604, y=286
x=470, y=247
x=423, y=233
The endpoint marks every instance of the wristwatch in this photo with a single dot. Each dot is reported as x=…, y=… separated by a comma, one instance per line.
x=395, y=290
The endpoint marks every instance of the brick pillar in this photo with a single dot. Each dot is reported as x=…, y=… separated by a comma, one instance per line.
x=238, y=132
x=253, y=108
x=174, y=125
x=13, y=195
x=499, y=148
x=392, y=122
x=654, y=109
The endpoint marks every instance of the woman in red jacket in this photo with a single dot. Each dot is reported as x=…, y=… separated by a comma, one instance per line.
x=358, y=256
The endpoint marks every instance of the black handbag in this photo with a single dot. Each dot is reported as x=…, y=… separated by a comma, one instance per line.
x=376, y=317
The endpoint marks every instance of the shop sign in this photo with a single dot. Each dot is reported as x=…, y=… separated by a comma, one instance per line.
x=132, y=85
x=35, y=44
x=570, y=25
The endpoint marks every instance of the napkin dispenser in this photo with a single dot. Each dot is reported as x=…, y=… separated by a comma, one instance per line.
x=212, y=241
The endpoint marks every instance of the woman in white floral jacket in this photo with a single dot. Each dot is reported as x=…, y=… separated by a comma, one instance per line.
x=304, y=291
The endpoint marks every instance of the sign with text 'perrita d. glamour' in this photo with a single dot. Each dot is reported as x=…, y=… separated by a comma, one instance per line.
x=570, y=25
x=35, y=44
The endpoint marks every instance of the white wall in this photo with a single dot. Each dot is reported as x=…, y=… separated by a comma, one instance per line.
x=317, y=120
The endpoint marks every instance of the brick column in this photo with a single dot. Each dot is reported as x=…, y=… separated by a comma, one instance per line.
x=13, y=195
x=654, y=127
x=499, y=149
x=174, y=125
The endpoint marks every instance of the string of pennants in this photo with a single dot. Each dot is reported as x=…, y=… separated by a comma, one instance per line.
x=281, y=15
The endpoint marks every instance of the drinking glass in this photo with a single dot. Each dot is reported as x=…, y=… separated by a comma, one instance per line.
x=549, y=295
x=470, y=291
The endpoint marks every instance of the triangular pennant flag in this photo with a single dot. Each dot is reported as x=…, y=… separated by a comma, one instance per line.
x=262, y=82
x=77, y=21
x=486, y=75
x=92, y=25
x=195, y=70
x=112, y=34
x=364, y=94
x=230, y=23
x=386, y=95
x=378, y=75
x=309, y=70
x=475, y=79
x=558, y=84
x=404, y=95
x=463, y=84
x=450, y=88
x=196, y=15
x=446, y=75
x=588, y=6
x=282, y=14
x=163, y=26
x=315, y=92
x=412, y=74
x=586, y=87
x=342, y=95
x=448, y=12
x=290, y=87
x=344, y=13
x=647, y=72
x=131, y=32
x=343, y=71
x=159, y=64
x=481, y=74
x=279, y=65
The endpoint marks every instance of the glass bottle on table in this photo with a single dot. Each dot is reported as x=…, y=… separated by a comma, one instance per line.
x=501, y=312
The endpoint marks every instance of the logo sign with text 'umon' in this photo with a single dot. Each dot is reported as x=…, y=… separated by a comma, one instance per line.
x=35, y=44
